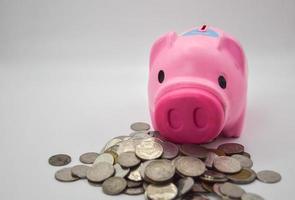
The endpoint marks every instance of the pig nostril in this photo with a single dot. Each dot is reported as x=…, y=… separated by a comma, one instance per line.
x=174, y=119
x=200, y=117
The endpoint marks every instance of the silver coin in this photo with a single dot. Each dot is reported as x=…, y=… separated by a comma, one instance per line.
x=148, y=150
x=80, y=171
x=231, y=190
x=143, y=166
x=121, y=172
x=126, y=146
x=140, y=134
x=139, y=140
x=174, y=161
x=245, y=176
x=170, y=150
x=161, y=192
x=210, y=159
x=268, y=176
x=104, y=157
x=227, y=164
x=251, y=196
x=145, y=195
x=194, y=150
x=134, y=191
x=114, y=185
x=190, y=166
x=113, y=152
x=100, y=171
x=244, y=161
x=207, y=186
x=198, y=188
x=111, y=143
x=184, y=185
x=134, y=175
x=213, y=176
x=88, y=158
x=218, y=152
x=159, y=170
x=231, y=148
x=128, y=159
x=144, y=185
x=123, y=137
x=59, y=160
x=246, y=154
x=140, y=126
x=216, y=190
x=65, y=175
x=133, y=184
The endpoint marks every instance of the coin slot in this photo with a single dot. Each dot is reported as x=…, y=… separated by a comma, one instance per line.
x=203, y=28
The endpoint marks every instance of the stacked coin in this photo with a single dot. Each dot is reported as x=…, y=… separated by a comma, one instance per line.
x=145, y=163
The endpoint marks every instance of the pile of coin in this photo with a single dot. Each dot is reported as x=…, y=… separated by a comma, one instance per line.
x=145, y=163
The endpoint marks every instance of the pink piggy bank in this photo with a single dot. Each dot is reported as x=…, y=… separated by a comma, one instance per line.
x=197, y=85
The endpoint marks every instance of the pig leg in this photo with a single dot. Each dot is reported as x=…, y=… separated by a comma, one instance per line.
x=235, y=129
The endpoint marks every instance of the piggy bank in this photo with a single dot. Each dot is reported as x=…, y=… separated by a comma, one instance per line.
x=197, y=85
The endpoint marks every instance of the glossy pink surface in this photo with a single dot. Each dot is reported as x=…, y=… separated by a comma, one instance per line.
x=202, y=89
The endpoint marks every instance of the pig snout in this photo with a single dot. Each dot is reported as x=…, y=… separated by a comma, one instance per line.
x=194, y=113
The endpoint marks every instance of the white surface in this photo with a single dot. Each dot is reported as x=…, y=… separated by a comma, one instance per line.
x=73, y=75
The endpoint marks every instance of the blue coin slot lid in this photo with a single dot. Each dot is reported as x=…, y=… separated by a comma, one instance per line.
x=208, y=32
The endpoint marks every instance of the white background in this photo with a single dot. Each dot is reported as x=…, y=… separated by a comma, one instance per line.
x=73, y=74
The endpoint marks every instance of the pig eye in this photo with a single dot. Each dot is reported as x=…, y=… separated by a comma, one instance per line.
x=222, y=82
x=161, y=76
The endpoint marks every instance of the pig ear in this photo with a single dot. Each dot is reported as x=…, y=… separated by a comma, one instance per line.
x=165, y=41
x=234, y=49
